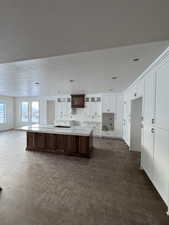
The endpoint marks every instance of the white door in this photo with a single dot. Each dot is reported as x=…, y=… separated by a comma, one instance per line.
x=125, y=121
x=149, y=109
x=136, y=120
x=128, y=123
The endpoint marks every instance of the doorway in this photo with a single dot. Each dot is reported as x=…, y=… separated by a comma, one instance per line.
x=136, y=125
x=50, y=111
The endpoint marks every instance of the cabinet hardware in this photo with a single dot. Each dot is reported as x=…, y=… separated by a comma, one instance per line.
x=153, y=130
x=153, y=121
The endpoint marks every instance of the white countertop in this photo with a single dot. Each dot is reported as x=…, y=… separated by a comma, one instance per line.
x=79, y=131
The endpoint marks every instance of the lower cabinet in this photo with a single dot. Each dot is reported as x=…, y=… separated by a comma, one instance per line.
x=58, y=143
x=40, y=140
x=71, y=144
x=31, y=140
x=83, y=144
x=51, y=141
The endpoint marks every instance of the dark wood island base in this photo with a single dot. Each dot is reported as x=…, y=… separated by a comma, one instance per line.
x=59, y=143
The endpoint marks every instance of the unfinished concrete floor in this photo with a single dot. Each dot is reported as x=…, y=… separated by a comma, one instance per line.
x=49, y=189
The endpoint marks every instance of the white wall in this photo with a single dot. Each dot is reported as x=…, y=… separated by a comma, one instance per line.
x=10, y=108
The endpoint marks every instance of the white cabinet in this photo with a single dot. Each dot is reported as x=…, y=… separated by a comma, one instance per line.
x=93, y=110
x=153, y=87
x=161, y=163
x=133, y=92
x=108, y=103
x=155, y=153
x=149, y=109
x=162, y=97
x=126, y=117
x=140, y=88
x=63, y=109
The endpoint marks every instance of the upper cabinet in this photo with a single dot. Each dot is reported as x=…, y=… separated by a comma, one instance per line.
x=137, y=89
x=162, y=96
x=63, y=108
x=108, y=103
x=133, y=91
x=140, y=88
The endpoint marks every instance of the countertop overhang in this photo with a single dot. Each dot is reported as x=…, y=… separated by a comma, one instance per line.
x=77, y=131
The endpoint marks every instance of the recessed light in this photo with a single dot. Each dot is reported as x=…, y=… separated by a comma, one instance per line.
x=71, y=81
x=136, y=59
x=114, y=78
x=37, y=83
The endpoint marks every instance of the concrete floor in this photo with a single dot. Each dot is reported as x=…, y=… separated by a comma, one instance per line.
x=49, y=189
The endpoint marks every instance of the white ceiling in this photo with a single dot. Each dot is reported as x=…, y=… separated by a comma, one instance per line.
x=42, y=28
x=92, y=71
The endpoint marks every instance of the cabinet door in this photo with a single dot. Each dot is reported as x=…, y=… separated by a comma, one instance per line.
x=31, y=140
x=87, y=109
x=71, y=144
x=84, y=145
x=61, y=142
x=40, y=140
x=68, y=109
x=105, y=103
x=59, y=110
x=51, y=141
x=162, y=97
x=161, y=163
x=108, y=104
x=149, y=108
x=140, y=88
x=133, y=92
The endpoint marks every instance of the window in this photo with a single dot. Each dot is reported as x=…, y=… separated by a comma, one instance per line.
x=35, y=112
x=30, y=112
x=25, y=111
x=2, y=113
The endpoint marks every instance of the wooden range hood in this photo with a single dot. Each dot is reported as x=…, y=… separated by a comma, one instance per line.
x=78, y=101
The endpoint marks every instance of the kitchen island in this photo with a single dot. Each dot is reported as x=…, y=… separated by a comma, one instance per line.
x=69, y=141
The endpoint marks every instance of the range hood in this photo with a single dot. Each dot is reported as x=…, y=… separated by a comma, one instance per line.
x=78, y=101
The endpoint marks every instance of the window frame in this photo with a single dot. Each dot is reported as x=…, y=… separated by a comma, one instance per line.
x=29, y=121
x=21, y=113
x=32, y=113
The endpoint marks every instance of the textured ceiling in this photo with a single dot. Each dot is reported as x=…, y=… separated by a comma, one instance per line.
x=92, y=71
x=42, y=28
